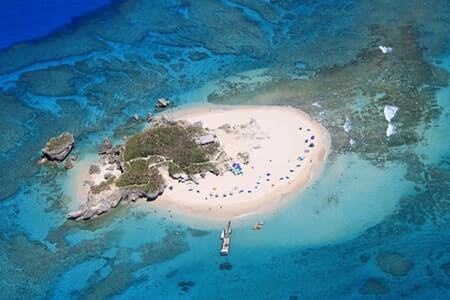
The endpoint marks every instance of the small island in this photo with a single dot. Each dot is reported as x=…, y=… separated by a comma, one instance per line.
x=212, y=162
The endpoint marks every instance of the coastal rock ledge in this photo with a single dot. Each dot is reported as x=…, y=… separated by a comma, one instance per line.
x=99, y=204
x=57, y=148
x=140, y=168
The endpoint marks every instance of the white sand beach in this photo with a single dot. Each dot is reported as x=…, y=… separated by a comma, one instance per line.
x=287, y=150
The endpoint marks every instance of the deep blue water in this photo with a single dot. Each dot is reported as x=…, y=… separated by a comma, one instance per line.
x=375, y=225
x=25, y=20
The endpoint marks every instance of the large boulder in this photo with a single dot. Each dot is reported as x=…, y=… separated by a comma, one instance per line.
x=57, y=148
x=97, y=205
x=162, y=103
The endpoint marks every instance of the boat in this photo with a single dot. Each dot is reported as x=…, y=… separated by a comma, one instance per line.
x=258, y=226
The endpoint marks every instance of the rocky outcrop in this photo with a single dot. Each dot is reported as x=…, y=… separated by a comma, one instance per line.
x=162, y=103
x=106, y=147
x=97, y=205
x=94, y=169
x=57, y=148
x=103, y=202
x=149, y=117
x=134, y=194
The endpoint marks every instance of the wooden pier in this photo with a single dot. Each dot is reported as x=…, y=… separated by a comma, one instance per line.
x=226, y=238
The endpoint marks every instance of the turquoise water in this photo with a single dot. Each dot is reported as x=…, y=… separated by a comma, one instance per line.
x=376, y=223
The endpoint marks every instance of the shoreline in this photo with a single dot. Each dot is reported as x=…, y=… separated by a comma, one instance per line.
x=244, y=210
x=273, y=136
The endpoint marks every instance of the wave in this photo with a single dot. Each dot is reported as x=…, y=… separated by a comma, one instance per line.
x=389, y=112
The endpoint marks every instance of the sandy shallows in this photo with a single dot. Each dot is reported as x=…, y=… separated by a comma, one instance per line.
x=286, y=151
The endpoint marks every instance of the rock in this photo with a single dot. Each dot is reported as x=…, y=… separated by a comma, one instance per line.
x=197, y=124
x=226, y=127
x=57, y=148
x=113, y=159
x=68, y=164
x=117, y=149
x=108, y=175
x=136, y=117
x=94, y=169
x=394, y=264
x=75, y=214
x=42, y=161
x=446, y=268
x=197, y=55
x=106, y=147
x=97, y=205
x=149, y=117
x=244, y=157
x=88, y=183
x=179, y=176
x=214, y=171
x=74, y=158
x=374, y=286
x=165, y=121
x=162, y=103
x=153, y=195
x=130, y=194
x=225, y=266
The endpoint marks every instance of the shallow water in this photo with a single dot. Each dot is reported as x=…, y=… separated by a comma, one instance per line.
x=374, y=225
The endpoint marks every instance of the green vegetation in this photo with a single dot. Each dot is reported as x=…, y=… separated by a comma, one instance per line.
x=138, y=174
x=176, y=144
x=166, y=145
x=102, y=186
x=174, y=169
x=153, y=160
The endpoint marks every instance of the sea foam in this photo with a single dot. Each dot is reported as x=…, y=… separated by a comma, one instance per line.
x=347, y=125
x=390, y=130
x=389, y=112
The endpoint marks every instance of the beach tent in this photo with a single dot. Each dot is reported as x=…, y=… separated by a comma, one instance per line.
x=236, y=169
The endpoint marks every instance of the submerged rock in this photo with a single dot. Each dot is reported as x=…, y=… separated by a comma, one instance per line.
x=446, y=268
x=374, y=286
x=394, y=264
x=57, y=148
x=225, y=266
x=68, y=164
x=186, y=285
